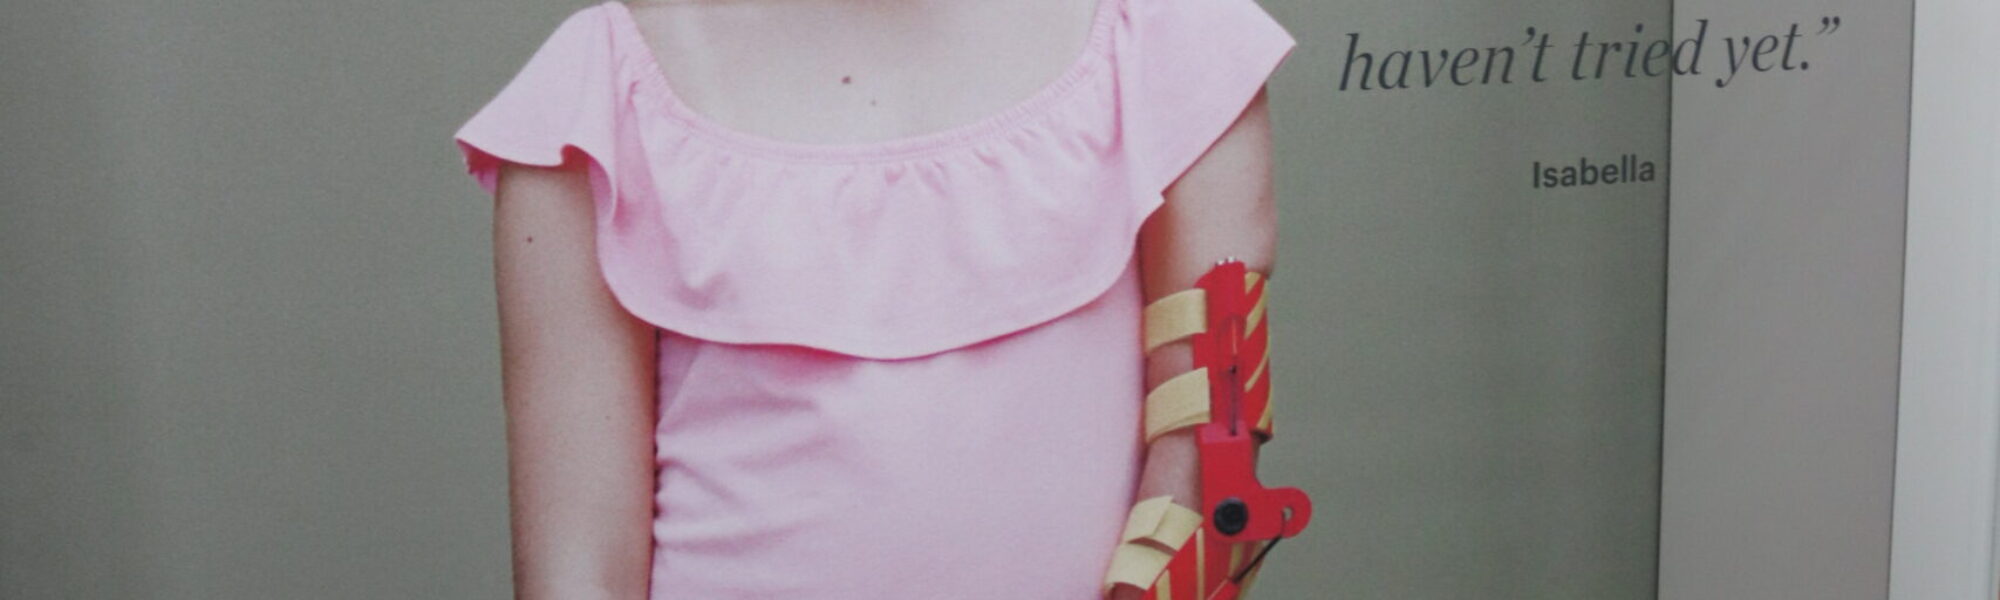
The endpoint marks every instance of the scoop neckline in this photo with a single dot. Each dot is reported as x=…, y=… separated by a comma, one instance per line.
x=993, y=124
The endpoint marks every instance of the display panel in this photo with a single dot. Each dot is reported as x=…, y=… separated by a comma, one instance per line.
x=1471, y=280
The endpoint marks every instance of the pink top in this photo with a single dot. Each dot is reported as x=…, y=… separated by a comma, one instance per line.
x=901, y=369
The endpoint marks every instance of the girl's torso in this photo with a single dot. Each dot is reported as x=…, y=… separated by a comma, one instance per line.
x=997, y=470
x=889, y=245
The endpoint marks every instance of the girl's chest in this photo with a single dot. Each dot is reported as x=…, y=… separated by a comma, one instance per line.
x=852, y=72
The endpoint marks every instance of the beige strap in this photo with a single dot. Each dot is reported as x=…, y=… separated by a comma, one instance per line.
x=1257, y=373
x=1180, y=402
x=1136, y=565
x=1183, y=401
x=1154, y=531
x=1174, y=317
x=1159, y=520
x=1250, y=324
x=1264, y=422
x=1256, y=312
x=1185, y=313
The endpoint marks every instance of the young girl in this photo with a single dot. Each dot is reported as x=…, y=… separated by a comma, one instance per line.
x=831, y=300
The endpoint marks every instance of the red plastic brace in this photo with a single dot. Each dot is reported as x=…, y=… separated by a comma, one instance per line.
x=1236, y=507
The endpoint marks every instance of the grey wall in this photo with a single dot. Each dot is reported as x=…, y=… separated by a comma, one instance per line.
x=246, y=340
x=249, y=342
x=1783, y=309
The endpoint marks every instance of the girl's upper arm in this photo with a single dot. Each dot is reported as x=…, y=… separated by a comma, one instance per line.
x=578, y=376
x=1221, y=207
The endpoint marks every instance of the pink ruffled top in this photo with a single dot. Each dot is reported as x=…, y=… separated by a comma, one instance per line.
x=901, y=369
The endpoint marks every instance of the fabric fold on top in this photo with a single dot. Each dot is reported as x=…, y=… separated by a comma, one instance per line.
x=883, y=250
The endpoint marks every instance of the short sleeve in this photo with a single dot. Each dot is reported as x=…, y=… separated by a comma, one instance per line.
x=1187, y=70
x=562, y=100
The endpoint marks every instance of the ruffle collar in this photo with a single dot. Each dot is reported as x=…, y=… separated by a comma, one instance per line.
x=886, y=250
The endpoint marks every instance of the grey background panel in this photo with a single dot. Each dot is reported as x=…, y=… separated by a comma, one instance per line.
x=1470, y=367
x=250, y=347
x=1783, y=305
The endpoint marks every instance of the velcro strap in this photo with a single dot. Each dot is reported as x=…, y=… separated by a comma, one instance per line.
x=1175, y=317
x=1154, y=531
x=1180, y=402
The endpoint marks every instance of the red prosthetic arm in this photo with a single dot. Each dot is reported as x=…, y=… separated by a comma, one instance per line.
x=1213, y=553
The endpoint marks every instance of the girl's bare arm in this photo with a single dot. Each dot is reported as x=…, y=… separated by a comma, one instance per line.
x=1222, y=207
x=577, y=373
